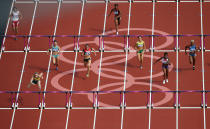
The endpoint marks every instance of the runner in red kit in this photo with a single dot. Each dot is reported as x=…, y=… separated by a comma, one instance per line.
x=87, y=58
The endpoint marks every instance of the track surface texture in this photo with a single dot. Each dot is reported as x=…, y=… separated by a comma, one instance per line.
x=111, y=70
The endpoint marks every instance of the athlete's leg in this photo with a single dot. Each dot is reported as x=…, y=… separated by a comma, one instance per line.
x=53, y=60
x=13, y=26
x=167, y=75
x=193, y=58
x=88, y=67
x=56, y=63
x=116, y=25
x=29, y=85
x=16, y=29
x=85, y=64
x=39, y=84
x=141, y=59
x=164, y=75
x=190, y=59
x=119, y=21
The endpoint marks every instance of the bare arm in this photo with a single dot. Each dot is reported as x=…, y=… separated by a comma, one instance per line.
x=144, y=47
x=169, y=62
x=110, y=12
x=135, y=47
x=41, y=75
x=186, y=47
x=82, y=53
x=94, y=51
x=59, y=48
x=158, y=60
x=32, y=78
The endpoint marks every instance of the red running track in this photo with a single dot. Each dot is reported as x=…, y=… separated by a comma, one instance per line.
x=112, y=68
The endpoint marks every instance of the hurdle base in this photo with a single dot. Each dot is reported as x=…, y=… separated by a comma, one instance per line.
x=42, y=106
x=178, y=106
x=202, y=106
x=3, y=49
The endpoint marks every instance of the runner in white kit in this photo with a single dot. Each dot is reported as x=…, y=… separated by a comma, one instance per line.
x=15, y=17
x=165, y=63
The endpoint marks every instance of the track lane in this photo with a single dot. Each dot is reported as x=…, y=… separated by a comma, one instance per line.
x=190, y=23
x=24, y=28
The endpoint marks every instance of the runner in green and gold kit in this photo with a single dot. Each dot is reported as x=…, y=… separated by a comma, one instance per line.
x=140, y=48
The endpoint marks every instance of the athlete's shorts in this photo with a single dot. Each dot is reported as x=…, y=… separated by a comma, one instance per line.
x=15, y=23
x=192, y=54
x=140, y=51
x=86, y=60
x=55, y=56
x=35, y=82
x=165, y=66
x=118, y=18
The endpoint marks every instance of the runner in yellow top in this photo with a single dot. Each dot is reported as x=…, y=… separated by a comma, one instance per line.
x=140, y=48
x=36, y=80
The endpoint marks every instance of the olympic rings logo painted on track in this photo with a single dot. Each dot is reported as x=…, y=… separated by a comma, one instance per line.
x=131, y=80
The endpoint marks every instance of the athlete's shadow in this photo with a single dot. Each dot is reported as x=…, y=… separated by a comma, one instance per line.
x=182, y=69
x=128, y=65
x=100, y=31
x=208, y=64
x=13, y=100
x=97, y=30
x=37, y=68
x=158, y=81
x=77, y=75
x=110, y=29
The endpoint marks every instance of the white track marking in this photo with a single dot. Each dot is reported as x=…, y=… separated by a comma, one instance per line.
x=177, y=64
x=150, y=98
x=23, y=67
x=126, y=62
x=99, y=74
x=203, y=75
x=75, y=62
x=47, y=76
x=8, y=21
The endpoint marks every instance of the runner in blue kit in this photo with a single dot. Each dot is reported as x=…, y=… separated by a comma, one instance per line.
x=192, y=52
x=87, y=58
x=117, y=16
x=55, y=53
x=165, y=63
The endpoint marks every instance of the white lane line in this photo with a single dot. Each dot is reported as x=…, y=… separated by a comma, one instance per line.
x=47, y=76
x=99, y=74
x=150, y=98
x=126, y=63
x=177, y=64
x=8, y=21
x=23, y=67
x=203, y=75
x=75, y=62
